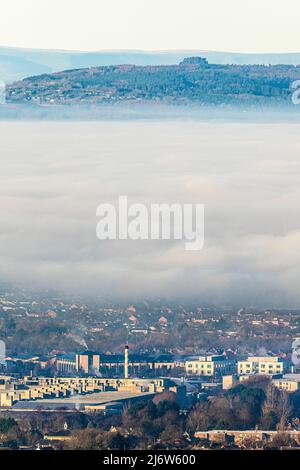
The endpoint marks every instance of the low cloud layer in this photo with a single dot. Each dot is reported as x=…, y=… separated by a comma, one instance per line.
x=54, y=175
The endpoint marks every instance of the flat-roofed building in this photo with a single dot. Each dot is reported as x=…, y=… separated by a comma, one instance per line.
x=261, y=365
x=6, y=383
x=229, y=381
x=88, y=362
x=289, y=382
x=92, y=363
x=209, y=366
x=66, y=364
x=70, y=389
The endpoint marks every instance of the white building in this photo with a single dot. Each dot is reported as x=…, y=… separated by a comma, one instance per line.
x=209, y=366
x=261, y=365
x=289, y=382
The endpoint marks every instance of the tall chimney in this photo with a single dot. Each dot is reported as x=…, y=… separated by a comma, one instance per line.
x=126, y=362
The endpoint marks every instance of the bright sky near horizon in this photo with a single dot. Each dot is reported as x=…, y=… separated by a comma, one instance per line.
x=227, y=25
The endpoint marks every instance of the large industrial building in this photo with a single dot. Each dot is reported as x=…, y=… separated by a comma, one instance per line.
x=77, y=392
x=87, y=393
x=90, y=363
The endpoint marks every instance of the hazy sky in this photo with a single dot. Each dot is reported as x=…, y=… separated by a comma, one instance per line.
x=54, y=175
x=228, y=25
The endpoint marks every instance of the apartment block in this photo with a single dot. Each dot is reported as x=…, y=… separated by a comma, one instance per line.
x=289, y=382
x=209, y=366
x=261, y=365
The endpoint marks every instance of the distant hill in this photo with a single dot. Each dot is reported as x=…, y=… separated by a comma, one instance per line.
x=194, y=80
x=16, y=63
